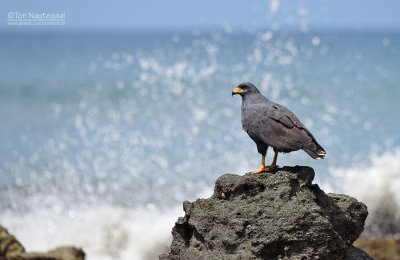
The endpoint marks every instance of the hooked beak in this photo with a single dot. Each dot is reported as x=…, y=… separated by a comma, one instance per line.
x=237, y=90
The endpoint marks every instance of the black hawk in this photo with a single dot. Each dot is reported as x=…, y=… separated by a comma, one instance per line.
x=271, y=124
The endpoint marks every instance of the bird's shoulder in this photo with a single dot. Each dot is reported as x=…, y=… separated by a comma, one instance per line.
x=265, y=111
x=284, y=115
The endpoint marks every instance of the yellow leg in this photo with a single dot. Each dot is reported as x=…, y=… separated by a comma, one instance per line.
x=262, y=165
x=269, y=167
x=275, y=158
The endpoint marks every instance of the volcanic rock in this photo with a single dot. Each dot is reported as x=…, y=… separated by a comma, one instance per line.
x=274, y=215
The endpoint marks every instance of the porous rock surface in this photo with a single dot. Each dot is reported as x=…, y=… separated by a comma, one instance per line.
x=275, y=215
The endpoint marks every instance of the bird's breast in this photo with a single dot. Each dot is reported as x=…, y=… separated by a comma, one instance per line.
x=249, y=119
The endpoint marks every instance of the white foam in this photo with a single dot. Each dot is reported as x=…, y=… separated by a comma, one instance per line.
x=106, y=232
x=376, y=182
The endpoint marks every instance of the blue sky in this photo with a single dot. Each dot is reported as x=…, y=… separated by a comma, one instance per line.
x=175, y=15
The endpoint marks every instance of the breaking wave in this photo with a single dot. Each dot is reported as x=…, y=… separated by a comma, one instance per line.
x=376, y=182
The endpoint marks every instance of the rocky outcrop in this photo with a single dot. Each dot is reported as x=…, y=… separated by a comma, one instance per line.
x=11, y=249
x=275, y=215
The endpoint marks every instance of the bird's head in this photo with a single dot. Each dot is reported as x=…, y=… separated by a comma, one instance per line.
x=245, y=89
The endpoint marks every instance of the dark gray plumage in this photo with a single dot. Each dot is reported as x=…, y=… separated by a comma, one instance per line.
x=271, y=124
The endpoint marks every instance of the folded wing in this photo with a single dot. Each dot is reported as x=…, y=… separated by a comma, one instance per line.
x=278, y=127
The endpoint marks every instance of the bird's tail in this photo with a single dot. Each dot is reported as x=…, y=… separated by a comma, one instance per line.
x=315, y=150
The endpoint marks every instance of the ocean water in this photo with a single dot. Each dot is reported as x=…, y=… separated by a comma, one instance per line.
x=104, y=136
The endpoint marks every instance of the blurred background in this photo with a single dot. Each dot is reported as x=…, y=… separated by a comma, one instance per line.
x=113, y=114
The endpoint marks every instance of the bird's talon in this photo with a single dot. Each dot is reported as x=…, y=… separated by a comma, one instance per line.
x=263, y=169
x=259, y=170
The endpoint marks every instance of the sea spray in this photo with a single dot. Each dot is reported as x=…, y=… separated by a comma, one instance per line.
x=104, y=233
x=376, y=182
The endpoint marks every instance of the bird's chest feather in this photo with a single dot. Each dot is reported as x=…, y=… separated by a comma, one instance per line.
x=251, y=118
